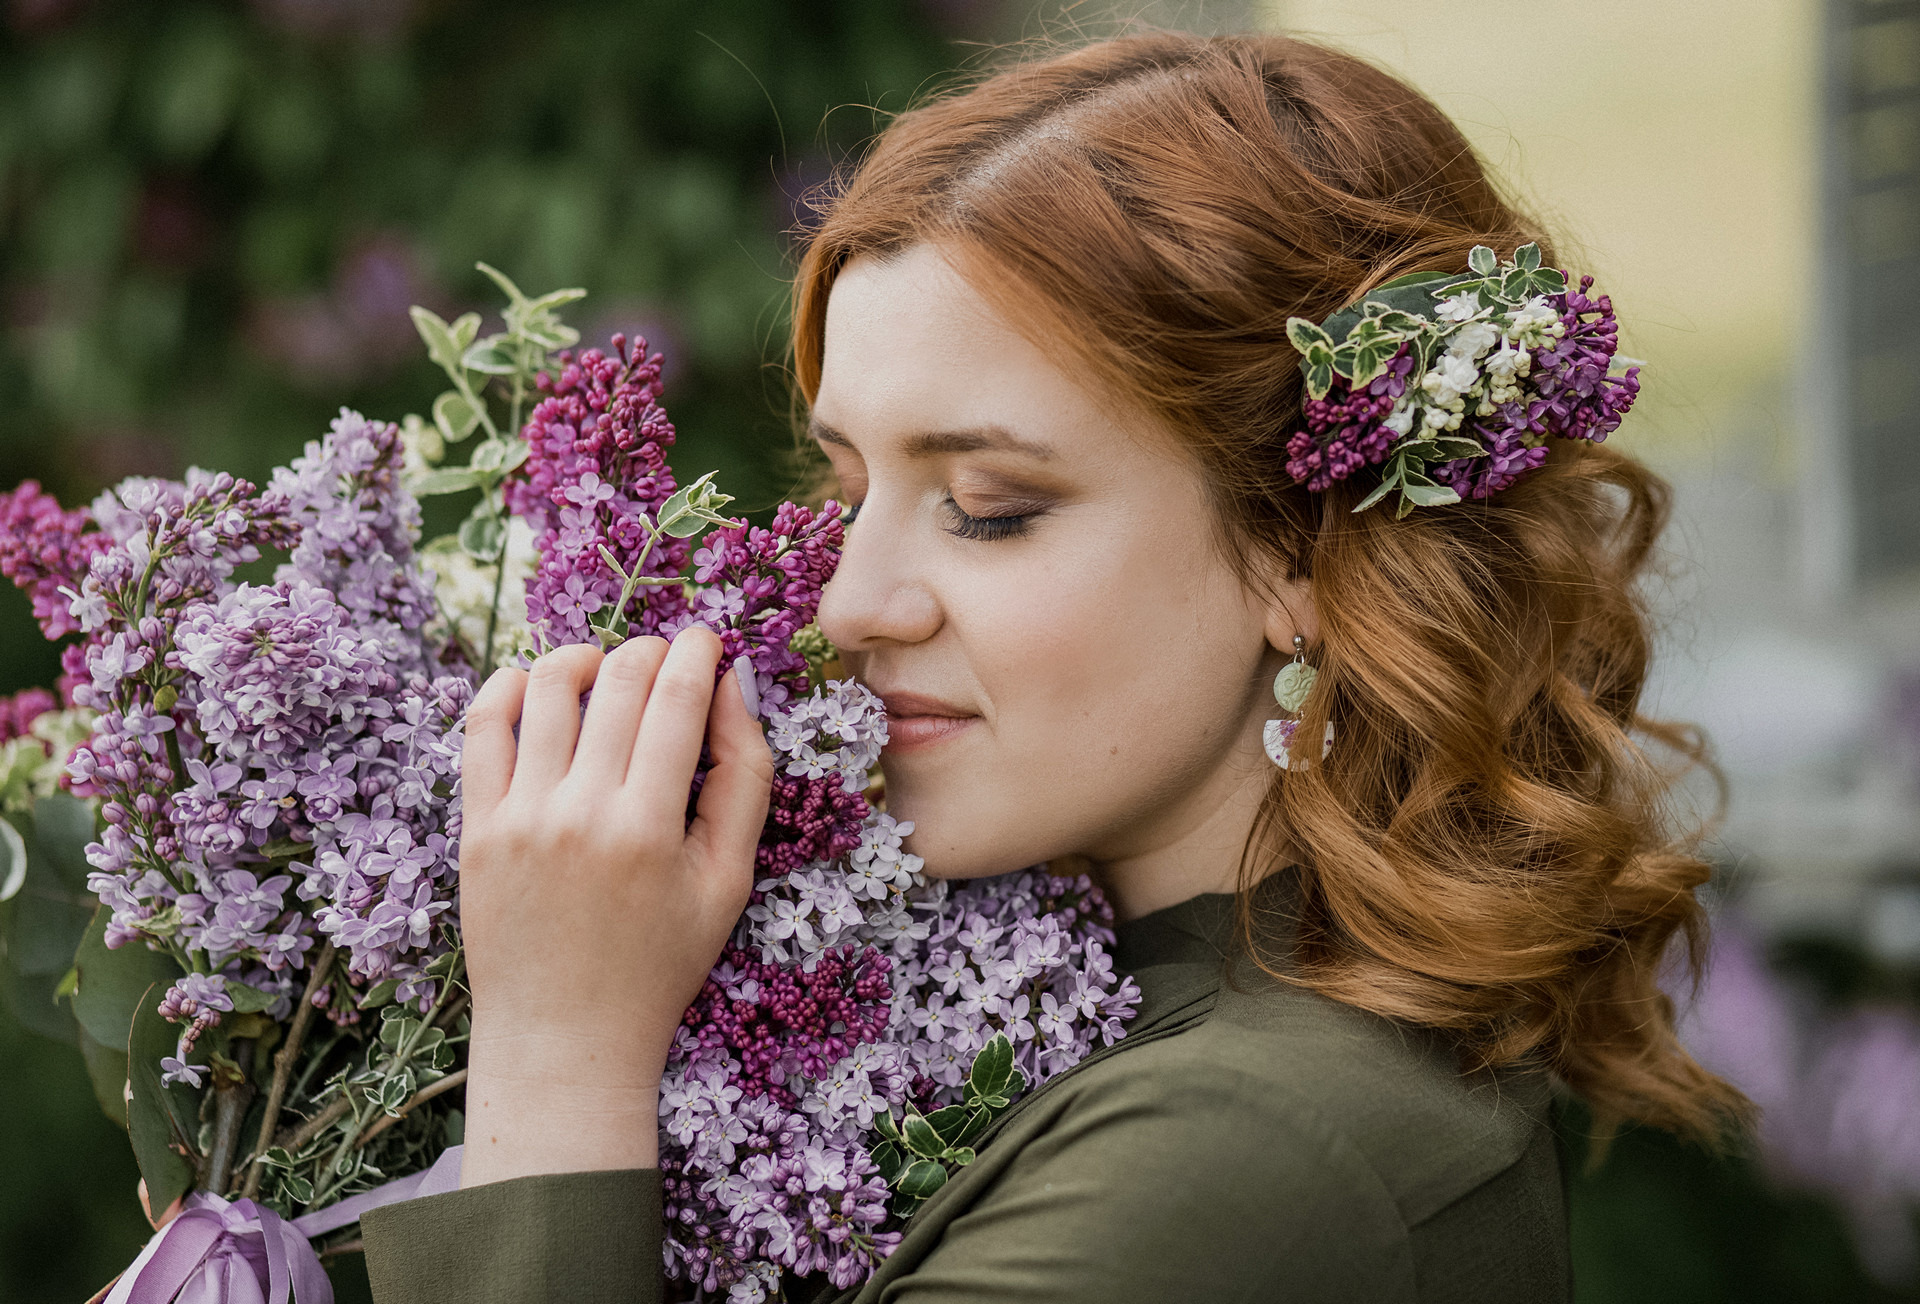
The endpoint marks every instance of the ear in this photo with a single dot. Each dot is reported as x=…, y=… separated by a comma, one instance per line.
x=1291, y=612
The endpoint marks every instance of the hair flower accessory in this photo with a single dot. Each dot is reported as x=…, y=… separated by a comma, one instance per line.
x=1456, y=382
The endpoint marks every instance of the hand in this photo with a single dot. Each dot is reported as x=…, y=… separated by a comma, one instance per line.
x=591, y=911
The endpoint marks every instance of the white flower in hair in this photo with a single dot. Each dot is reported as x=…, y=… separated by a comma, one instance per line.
x=1458, y=307
x=1473, y=340
x=1450, y=378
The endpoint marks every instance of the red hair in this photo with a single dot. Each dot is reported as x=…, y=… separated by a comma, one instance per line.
x=1485, y=850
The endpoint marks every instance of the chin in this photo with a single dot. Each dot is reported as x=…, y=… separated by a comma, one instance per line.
x=962, y=838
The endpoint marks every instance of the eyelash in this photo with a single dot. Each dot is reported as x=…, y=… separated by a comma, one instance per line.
x=986, y=528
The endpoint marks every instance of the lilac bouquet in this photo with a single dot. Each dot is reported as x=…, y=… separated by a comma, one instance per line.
x=1456, y=382
x=263, y=765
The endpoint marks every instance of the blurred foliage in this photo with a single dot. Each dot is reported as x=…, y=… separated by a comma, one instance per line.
x=213, y=217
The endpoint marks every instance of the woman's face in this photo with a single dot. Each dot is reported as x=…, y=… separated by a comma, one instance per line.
x=1070, y=665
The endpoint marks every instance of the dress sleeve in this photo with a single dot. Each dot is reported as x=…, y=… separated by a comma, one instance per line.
x=1187, y=1183
x=581, y=1238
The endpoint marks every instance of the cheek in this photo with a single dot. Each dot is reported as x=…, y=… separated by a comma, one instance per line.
x=1116, y=681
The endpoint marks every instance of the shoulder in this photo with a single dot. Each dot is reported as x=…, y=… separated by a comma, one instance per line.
x=1382, y=1111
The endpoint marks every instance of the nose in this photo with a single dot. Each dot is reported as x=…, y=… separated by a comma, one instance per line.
x=882, y=595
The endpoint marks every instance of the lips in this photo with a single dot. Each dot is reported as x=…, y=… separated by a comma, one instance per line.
x=915, y=720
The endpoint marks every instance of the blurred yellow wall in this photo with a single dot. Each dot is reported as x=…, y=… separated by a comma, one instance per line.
x=1670, y=145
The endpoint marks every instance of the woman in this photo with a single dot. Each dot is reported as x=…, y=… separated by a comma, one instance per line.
x=1042, y=336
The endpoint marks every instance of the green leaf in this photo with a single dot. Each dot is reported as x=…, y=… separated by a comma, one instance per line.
x=992, y=1067
x=978, y=1120
x=463, y=329
x=499, y=278
x=556, y=299
x=1483, y=261
x=62, y=828
x=110, y=983
x=481, y=535
x=496, y=457
x=298, y=1188
x=1449, y=448
x=961, y=1155
x=921, y=1138
x=394, y=1092
x=439, y=339
x=446, y=480
x=455, y=416
x=886, y=1158
x=1303, y=335
x=248, y=1000
x=161, y=1120
x=922, y=1178
x=491, y=356
x=1319, y=377
x=950, y=1122
x=13, y=860
x=1527, y=257
x=1428, y=494
x=1386, y=486
x=107, y=1072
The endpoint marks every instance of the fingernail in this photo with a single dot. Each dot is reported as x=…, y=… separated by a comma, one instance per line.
x=749, y=688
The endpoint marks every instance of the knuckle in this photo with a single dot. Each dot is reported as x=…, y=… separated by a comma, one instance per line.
x=566, y=665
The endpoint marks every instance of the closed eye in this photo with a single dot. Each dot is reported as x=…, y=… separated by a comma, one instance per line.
x=987, y=528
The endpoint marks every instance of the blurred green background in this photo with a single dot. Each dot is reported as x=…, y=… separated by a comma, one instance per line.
x=213, y=217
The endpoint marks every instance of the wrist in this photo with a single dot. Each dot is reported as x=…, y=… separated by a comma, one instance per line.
x=550, y=1103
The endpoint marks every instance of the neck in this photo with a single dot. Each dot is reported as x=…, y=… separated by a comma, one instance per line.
x=1189, y=851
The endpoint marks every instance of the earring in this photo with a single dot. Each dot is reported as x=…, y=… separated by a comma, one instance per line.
x=1290, y=689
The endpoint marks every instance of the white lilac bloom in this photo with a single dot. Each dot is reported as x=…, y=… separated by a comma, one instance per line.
x=1458, y=307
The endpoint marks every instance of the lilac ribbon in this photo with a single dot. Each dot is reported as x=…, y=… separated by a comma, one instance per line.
x=217, y=1251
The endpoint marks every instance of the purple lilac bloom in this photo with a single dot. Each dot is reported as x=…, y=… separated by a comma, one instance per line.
x=1570, y=393
x=1345, y=430
x=596, y=469
x=45, y=550
x=357, y=531
x=17, y=713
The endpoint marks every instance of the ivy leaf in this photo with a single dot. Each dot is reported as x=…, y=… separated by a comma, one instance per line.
x=1483, y=261
x=1365, y=352
x=1527, y=257
x=1304, y=335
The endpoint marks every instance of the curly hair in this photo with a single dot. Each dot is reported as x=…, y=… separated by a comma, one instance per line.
x=1487, y=849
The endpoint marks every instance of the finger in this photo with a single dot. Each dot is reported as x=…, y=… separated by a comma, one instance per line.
x=550, y=720
x=673, y=726
x=613, y=716
x=733, y=801
x=486, y=758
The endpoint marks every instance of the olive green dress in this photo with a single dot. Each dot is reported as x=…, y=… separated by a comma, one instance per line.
x=1248, y=1141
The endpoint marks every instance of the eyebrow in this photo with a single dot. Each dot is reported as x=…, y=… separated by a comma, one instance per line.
x=933, y=443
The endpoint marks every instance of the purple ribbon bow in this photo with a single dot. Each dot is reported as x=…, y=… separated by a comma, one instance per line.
x=217, y=1251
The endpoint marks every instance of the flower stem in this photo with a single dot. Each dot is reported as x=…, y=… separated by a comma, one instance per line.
x=230, y=1101
x=283, y=1069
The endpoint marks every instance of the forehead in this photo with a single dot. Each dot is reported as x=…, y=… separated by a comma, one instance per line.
x=912, y=349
